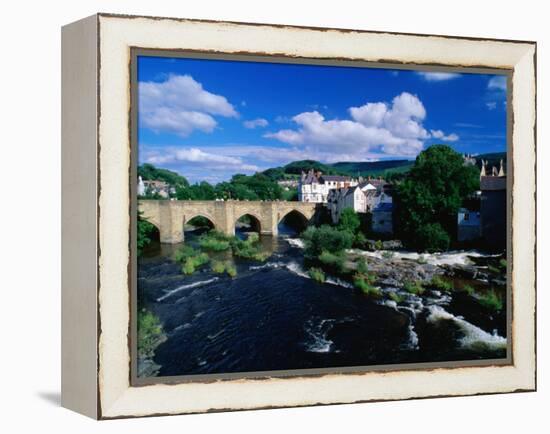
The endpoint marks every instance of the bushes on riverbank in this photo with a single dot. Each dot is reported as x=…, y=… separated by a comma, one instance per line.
x=220, y=267
x=249, y=248
x=317, y=274
x=150, y=333
x=215, y=241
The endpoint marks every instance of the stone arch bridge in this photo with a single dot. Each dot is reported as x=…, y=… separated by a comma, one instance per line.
x=170, y=216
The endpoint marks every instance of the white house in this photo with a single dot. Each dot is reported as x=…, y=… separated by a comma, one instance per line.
x=315, y=187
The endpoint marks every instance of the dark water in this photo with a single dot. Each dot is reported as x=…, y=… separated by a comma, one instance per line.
x=272, y=317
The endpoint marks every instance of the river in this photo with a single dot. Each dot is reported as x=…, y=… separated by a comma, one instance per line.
x=272, y=316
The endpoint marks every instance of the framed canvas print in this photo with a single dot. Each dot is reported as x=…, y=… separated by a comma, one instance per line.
x=260, y=216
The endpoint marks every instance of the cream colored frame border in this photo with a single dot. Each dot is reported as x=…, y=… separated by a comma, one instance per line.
x=116, y=35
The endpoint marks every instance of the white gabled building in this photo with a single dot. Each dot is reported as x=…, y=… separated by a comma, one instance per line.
x=371, y=196
x=315, y=187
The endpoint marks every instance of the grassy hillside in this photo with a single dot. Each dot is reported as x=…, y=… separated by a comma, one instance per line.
x=374, y=168
x=362, y=168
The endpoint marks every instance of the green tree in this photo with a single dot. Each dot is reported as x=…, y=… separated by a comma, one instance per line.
x=325, y=238
x=349, y=221
x=144, y=231
x=428, y=199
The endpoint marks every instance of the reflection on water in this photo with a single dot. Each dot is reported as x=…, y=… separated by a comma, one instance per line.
x=273, y=317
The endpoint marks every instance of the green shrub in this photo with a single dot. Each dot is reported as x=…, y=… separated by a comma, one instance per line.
x=149, y=331
x=398, y=298
x=490, y=300
x=249, y=248
x=362, y=266
x=469, y=290
x=230, y=269
x=415, y=288
x=378, y=245
x=215, y=241
x=361, y=282
x=332, y=262
x=503, y=264
x=194, y=262
x=218, y=267
x=441, y=284
x=317, y=274
x=432, y=238
x=326, y=238
x=188, y=267
x=185, y=252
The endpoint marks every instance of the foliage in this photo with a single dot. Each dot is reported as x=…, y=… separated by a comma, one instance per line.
x=215, y=241
x=317, y=274
x=194, y=262
x=415, y=287
x=362, y=266
x=398, y=298
x=333, y=262
x=149, y=172
x=220, y=267
x=290, y=194
x=364, y=284
x=349, y=221
x=432, y=238
x=428, y=199
x=150, y=332
x=325, y=238
x=378, y=245
x=199, y=191
x=440, y=284
x=490, y=300
x=249, y=248
x=468, y=289
x=503, y=264
x=184, y=252
x=144, y=231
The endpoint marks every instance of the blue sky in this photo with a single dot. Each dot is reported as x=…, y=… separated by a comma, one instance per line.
x=210, y=119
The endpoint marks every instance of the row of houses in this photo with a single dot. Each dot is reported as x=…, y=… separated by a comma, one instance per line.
x=154, y=187
x=340, y=192
x=482, y=218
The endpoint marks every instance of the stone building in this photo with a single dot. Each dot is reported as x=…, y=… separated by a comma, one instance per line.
x=493, y=210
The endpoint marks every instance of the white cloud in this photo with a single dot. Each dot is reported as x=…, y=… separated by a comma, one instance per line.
x=438, y=134
x=180, y=105
x=378, y=127
x=498, y=82
x=491, y=105
x=255, y=123
x=438, y=76
x=207, y=160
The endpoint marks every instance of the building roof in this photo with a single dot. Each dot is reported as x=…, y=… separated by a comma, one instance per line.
x=492, y=183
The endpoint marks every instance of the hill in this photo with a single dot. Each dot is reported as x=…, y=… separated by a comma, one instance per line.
x=374, y=168
x=347, y=168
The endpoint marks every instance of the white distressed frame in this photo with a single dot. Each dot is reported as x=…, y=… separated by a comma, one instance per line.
x=115, y=396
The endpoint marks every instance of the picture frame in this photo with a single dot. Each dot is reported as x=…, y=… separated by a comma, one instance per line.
x=99, y=190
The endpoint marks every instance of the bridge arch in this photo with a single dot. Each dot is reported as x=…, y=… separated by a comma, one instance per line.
x=255, y=220
x=294, y=219
x=187, y=219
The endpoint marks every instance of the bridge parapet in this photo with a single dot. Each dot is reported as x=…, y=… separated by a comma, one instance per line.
x=170, y=216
